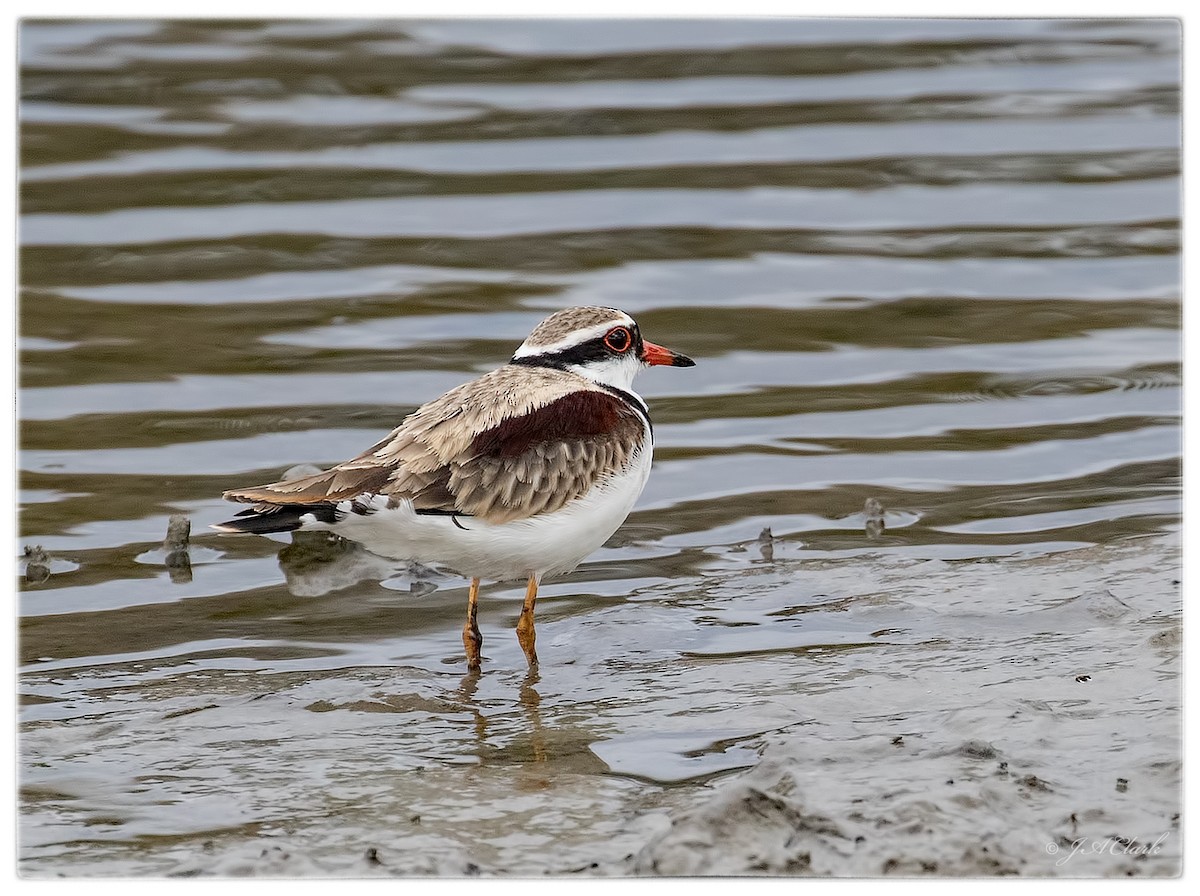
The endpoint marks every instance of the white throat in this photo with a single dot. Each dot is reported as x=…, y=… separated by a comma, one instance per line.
x=615, y=372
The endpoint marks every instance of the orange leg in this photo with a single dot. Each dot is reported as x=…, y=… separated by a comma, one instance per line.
x=525, y=632
x=472, y=637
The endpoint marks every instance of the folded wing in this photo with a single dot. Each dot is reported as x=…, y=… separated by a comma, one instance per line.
x=531, y=451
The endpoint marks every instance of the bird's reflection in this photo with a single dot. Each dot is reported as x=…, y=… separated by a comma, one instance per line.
x=530, y=701
x=318, y=563
x=466, y=694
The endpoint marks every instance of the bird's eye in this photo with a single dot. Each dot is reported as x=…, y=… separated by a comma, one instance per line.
x=618, y=339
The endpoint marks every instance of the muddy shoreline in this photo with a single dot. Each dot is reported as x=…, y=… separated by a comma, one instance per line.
x=1031, y=727
x=1057, y=755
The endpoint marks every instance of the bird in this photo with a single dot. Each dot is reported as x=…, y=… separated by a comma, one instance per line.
x=516, y=475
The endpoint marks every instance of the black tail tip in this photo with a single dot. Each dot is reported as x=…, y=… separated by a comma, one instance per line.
x=260, y=524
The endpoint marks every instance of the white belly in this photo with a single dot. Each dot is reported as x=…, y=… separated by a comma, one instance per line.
x=547, y=544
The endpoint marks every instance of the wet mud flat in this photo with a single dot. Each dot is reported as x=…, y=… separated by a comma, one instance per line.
x=778, y=714
x=1039, y=736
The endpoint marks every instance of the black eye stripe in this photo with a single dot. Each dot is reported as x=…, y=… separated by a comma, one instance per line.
x=596, y=349
x=592, y=350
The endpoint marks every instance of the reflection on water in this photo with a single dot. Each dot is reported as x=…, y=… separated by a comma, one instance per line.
x=930, y=274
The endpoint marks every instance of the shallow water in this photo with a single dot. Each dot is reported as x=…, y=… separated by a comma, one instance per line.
x=929, y=263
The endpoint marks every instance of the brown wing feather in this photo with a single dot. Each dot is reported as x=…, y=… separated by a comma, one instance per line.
x=539, y=461
x=336, y=484
x=514, y=443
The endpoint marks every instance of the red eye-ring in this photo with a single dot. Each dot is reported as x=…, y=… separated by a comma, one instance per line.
x=618, y=339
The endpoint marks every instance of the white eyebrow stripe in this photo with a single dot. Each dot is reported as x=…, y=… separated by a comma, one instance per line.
x=576, y=338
